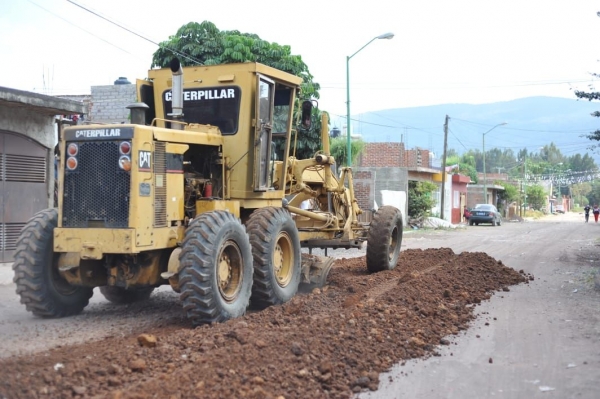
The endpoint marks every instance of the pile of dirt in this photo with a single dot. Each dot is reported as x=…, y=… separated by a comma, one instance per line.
x=329, y=343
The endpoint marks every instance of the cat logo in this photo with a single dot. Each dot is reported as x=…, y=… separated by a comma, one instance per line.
x=145, y=160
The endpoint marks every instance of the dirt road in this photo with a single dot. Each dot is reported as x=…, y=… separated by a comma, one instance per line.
x=538, y=339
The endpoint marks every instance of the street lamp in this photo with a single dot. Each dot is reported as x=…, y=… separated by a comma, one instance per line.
x=484, y=175
x=349, y=148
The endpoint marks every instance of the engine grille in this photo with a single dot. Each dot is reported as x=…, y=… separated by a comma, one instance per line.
x=96, y=194
x=160, y=185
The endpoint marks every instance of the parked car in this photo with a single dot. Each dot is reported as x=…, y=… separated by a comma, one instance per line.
x=485, y=213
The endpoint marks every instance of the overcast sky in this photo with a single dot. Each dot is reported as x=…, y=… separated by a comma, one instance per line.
x=444, y=51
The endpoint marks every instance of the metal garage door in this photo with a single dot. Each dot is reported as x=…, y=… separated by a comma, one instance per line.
x=23, y=188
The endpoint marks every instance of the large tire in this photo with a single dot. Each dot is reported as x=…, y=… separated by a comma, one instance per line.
x=42, y=289
x=122, y=296
x=216, y=268
x=276, y=252
x=384, y=239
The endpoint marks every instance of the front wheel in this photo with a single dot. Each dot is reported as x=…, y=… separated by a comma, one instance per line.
x=276, y=252
x=384, y=239
x=216, y=268
x=42, y=289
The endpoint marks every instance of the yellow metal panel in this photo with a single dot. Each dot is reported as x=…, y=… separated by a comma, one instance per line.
x=437, y=177
x=210, y=135
x=175, y=196
x=93, y=243
x=141, y=205
x=177, y=148
x=260, y=203
x=315, y=235
x=203, y=206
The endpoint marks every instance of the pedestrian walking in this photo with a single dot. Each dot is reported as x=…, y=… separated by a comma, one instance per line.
x=596, y=212
x=587, y=212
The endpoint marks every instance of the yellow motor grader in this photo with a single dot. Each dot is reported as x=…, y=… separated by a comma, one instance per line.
x=200, y=192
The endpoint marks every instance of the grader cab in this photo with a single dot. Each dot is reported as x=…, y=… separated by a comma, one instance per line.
x=200, y=192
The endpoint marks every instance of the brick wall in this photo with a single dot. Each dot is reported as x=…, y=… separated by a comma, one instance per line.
x=109, y=102
x=382, y=155
x=364, y=189
x=416, y=158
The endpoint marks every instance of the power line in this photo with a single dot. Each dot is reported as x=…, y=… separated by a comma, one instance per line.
x=79, y=27
x=189, y=58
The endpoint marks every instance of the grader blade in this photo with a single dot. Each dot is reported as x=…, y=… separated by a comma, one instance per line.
x=314, y=271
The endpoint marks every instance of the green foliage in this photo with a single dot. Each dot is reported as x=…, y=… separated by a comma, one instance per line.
x=536, y=196
x=594, y=195
x=339, y=146
x=510, y=193
x=204, y=44
x=591, y=96
x=580, y=192
x=420, y=198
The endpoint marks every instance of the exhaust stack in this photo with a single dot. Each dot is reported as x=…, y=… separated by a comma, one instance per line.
x=177, y=93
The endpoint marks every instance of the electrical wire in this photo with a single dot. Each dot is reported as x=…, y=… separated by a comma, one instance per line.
x=189, y=58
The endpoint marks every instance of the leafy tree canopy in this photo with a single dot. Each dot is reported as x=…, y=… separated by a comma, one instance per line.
x=420, y=198
x=204, y=44
x=536, y=196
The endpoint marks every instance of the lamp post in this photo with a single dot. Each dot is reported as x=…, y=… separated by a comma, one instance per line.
x=349, y=147
x=484, y=175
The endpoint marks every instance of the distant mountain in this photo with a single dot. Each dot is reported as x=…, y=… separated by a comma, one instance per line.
x=531, y=123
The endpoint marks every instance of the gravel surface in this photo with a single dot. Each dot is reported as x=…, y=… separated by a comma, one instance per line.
x=331, y=343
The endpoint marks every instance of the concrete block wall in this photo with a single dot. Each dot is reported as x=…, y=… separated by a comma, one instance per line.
x=372, y=180
x=109, y=102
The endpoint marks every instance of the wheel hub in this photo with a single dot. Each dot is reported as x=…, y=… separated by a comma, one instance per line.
x=283, y=259
x=230, y=271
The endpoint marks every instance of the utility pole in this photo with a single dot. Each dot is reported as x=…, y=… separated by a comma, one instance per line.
x=444, y=167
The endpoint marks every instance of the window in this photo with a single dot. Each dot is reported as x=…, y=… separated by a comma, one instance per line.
x=217, y=106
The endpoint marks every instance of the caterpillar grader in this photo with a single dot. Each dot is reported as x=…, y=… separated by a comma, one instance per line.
x=200, y=191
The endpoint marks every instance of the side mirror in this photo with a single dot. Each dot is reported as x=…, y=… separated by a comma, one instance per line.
x=307, y=107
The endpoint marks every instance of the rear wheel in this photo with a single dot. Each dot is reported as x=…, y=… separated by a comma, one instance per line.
x=384, y=239
x=42, y=289
x=122, y=296
x=276, y=253
x=470, y=223
x=216, y=268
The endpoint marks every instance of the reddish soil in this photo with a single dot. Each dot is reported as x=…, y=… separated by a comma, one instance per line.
x=329, y=343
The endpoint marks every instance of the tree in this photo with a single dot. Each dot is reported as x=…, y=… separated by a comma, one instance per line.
x=338, y=147
x=591, y=96
x=420, y=198
x=510, y=193
x=204, y=44
x=580, y=192
x=536, y=196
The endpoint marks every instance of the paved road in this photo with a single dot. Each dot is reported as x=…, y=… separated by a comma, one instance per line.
x=543, y=338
